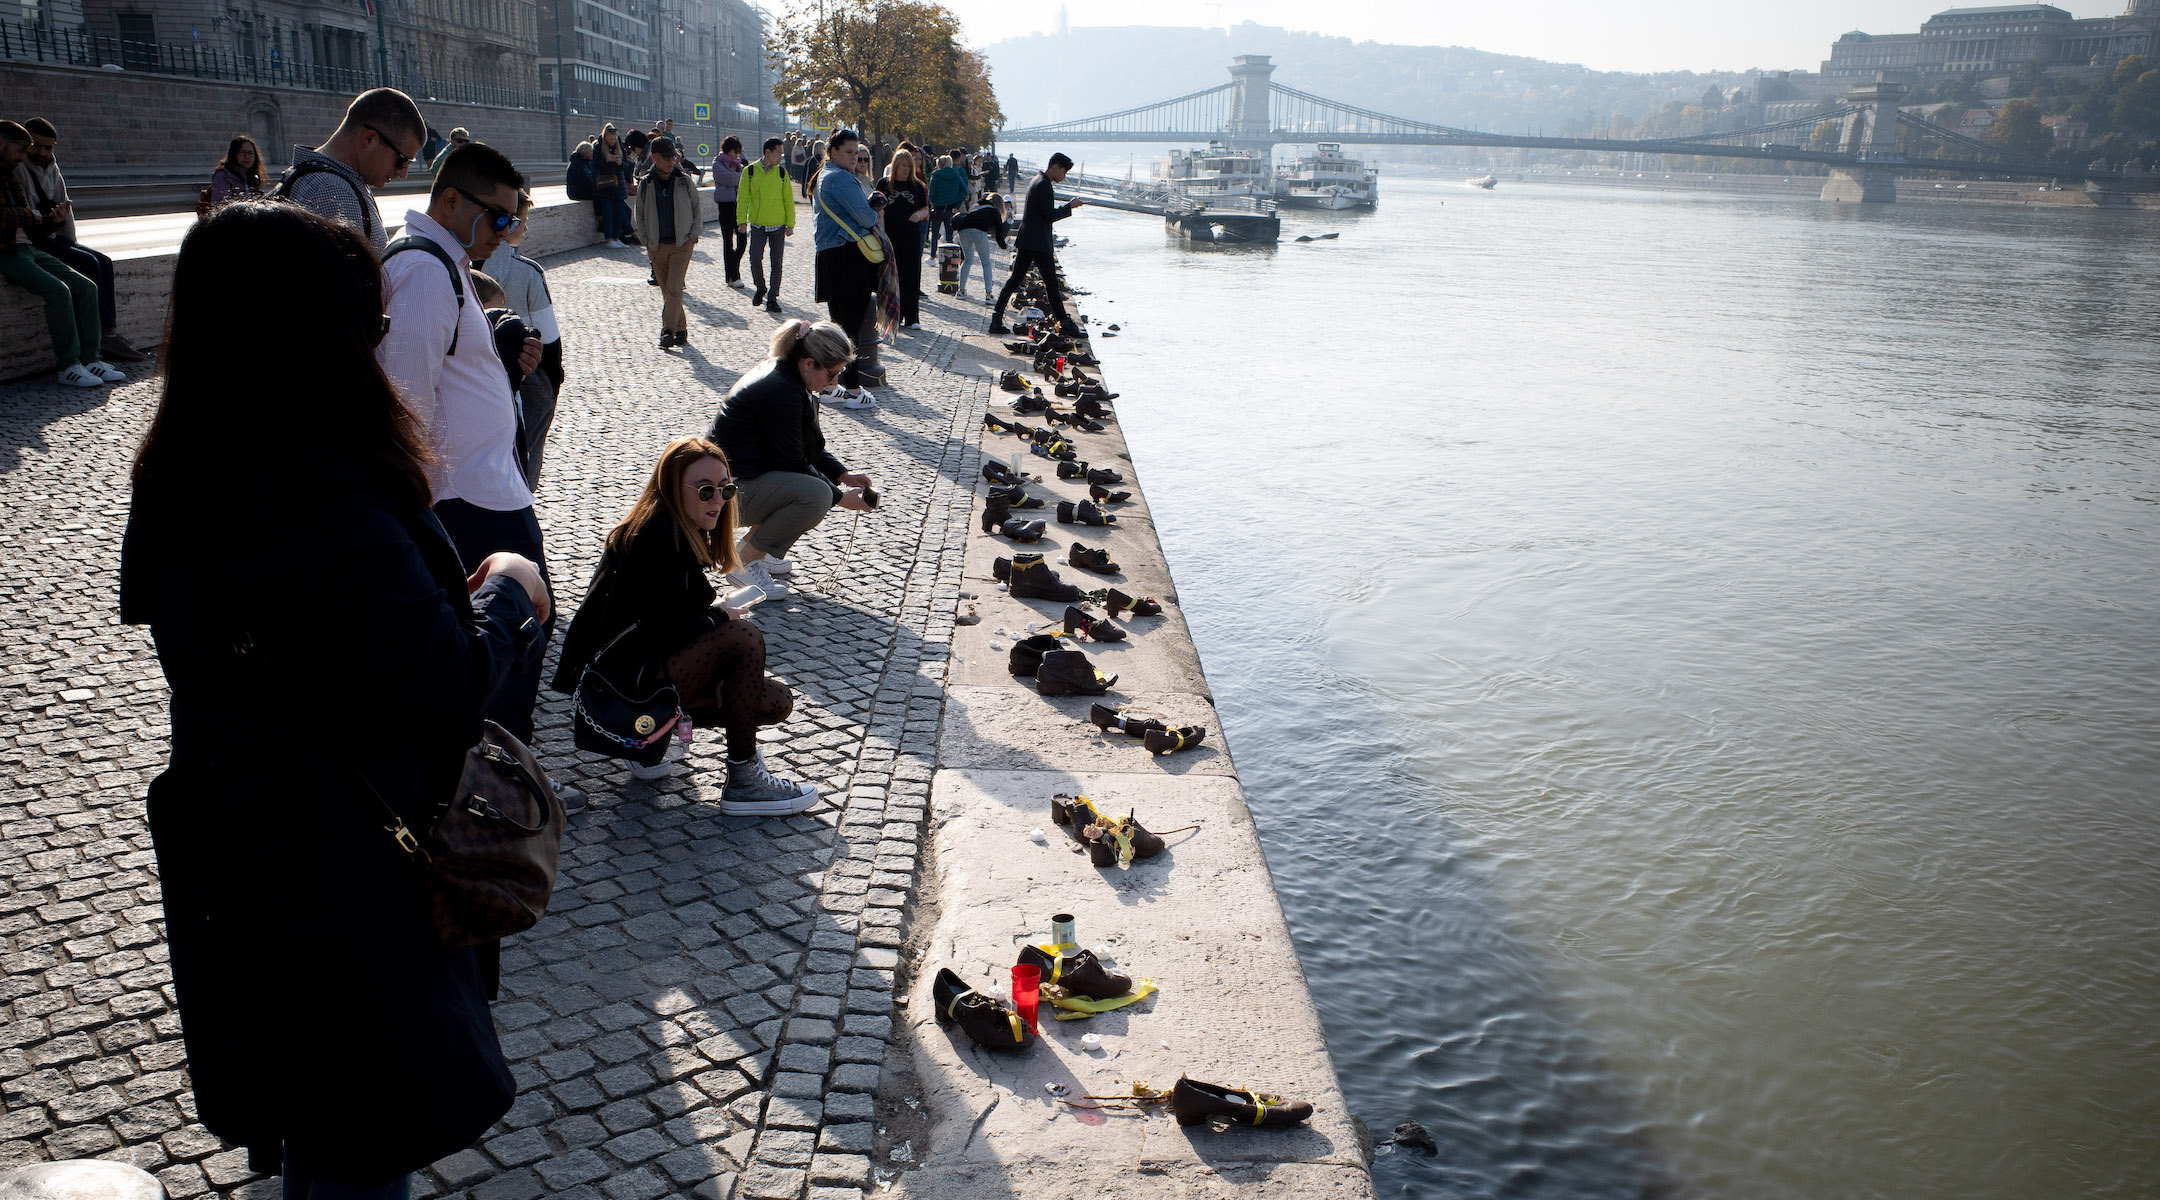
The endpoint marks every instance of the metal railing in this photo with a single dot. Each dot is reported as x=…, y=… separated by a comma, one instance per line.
x=79, y=48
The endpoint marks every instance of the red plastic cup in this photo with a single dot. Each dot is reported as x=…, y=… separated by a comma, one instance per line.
x=1027, y=992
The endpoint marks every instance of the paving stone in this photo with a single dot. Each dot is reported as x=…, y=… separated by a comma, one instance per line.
x=851, y=1171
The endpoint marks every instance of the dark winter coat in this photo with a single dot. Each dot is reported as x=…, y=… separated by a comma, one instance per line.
x=332, y=643
x=769, y=422
x=1041, y=213
x=656, y=584
x=984, y=217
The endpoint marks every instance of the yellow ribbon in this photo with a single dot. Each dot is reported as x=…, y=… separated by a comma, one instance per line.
x=1260, y=1106
x=1080, y=1008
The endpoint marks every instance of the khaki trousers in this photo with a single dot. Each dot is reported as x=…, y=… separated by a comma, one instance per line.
x=671, y=266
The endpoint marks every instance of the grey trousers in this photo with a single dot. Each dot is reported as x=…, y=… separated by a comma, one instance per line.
x=762, y=244
x=536, y=397
x=783, y=505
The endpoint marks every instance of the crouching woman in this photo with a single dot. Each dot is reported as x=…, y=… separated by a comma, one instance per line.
x=650, y=609
x=769, y=429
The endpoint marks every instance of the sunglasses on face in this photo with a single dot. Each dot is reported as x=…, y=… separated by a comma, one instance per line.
x=706, y=491
x=399, y=157
x=498, y=220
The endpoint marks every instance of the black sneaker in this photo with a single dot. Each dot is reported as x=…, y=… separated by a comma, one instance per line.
x=997, y=328
x=772, y=306
x=667, y=340
x=757, y=297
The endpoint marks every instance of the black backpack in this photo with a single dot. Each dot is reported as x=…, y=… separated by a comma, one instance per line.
x=294, y=174
x=457, y=277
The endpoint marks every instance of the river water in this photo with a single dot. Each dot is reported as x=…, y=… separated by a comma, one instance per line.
x=1695, y=662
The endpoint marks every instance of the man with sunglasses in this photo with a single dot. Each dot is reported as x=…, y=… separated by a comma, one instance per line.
x=381, y=134
x=441, y=353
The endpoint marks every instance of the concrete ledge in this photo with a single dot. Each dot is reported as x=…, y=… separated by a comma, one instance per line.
x=144, y=283
x=1201, y=919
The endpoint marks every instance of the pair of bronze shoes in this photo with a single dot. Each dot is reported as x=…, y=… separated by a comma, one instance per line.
x=1156, y=736
x=1030, y=578
x=1145, y=606
x=1058, y=670
x=1197, y=1103
x=1022, y=530
x=1079, y=972
x=997, y=472
x=989, y=1022
x=1092, y=408
x=1109, y=841
x=1012, y=495
x=1079, y=624
x=1090, y=559
x=1102, y=495
x=1083, y=513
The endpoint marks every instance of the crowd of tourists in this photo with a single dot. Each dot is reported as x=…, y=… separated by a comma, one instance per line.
x=404, y=489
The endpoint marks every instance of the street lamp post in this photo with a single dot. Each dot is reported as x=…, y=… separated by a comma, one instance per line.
x=562, y=88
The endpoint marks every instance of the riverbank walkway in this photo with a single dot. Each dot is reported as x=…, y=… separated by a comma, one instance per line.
x=713, y=1007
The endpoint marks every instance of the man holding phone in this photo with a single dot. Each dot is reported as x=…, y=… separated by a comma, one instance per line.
x=47, y=187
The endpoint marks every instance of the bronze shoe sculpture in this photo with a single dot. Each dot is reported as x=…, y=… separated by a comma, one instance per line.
x=1069, y=673
x=1092, y=408
x=997, y=472
x=1108, y=718
x=1197, y=1103
x=1013, y=496
x=1022, y=530
x=989, y=1023
x=1010, y=381
x=1088, y=559
x=1104, y=476
x=1079, y=624
x=1102, y=495
x=1146, y=606
x=1083, y=513
x=1166, y=741
x=1072, y=470
x=1110, y=841
x=1032, y=579
x=1075, y=970
x=1026, y=655
x=1001, y=568
x=995, y=512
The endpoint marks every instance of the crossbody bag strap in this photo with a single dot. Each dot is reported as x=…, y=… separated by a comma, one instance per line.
x=837, y=218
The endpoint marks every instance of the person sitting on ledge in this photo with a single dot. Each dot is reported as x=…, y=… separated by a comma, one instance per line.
x=769, y=428
x=650, y=609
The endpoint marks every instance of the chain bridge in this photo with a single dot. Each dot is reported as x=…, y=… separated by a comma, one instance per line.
x=1875, y=141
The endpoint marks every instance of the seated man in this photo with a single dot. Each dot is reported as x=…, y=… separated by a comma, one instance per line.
x=48, y=193
x=71, y=307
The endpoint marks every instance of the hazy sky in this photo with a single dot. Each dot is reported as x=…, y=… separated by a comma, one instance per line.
x=1615, y=35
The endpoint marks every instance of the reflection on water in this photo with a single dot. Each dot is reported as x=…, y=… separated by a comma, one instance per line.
x=1721, y=634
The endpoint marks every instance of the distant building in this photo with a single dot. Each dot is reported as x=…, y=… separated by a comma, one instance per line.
x=1996, y=39
x=2069, y=134
x=641, y=60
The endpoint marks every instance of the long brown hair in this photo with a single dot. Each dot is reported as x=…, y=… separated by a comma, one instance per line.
x=263, y=272
x=231, y=161
x=662, y=499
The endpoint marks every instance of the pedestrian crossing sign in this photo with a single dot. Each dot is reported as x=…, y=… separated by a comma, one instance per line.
x=701, y=112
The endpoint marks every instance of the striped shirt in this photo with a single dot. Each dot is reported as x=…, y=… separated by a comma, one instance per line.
x=337, y=193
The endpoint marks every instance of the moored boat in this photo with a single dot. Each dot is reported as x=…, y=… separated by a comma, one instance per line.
x=1329, y=180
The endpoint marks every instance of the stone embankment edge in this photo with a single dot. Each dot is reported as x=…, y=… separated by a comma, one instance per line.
x=1203, y=920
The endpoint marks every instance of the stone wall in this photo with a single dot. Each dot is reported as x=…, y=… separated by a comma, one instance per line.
x=145, y=282
x=111, y=118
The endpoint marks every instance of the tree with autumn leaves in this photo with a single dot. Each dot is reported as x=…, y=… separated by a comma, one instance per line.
x=890, y=68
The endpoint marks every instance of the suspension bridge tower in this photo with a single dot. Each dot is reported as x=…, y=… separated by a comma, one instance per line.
x=1870, y=132
x=1249, y=125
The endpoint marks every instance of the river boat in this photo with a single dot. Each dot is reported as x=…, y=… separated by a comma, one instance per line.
x=1328, y=179
x=1217, y=173
x=1488, y=181
x=1233, y=220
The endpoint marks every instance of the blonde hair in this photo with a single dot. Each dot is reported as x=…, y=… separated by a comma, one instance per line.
x=899, y=157
x=663, y=494
x=821, y=342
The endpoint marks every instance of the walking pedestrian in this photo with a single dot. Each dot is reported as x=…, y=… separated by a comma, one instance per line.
x=440, y=351
x=989, y=172
x=611, y=186
x=765, y=204
x=975, y=228
x=459, y=137
x=798, y=160
x=374, y=144
x=48, y=193
x=769, y=428
x=669, y=219
x=525, y=290
x=393, y=662
x=846, y=213
x=1012, y=171
x=816, y=168
x=650, y=616
x=727, y=169
x=948, y=191
x=907, y=214
x=238, y=175
x=70, y=298
x=1035, y=249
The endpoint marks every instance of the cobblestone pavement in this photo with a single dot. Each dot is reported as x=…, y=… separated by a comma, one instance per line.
x=705, y=1008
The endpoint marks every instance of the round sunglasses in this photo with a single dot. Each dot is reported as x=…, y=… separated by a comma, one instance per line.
x=706, y=491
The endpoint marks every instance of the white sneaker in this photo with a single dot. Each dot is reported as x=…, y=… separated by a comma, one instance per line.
x=78, y=375
x=659, y=770
x=106, y=371
x=858, y=398
x=778, y=566
x=755, y=574
x=617, y=244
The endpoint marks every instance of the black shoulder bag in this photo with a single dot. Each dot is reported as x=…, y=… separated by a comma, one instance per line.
x=623, y=718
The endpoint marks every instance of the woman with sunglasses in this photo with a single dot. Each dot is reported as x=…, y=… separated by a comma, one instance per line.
x=769, y=428
x=650, y=612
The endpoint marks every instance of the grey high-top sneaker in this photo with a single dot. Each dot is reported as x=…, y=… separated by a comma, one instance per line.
x=753, y=791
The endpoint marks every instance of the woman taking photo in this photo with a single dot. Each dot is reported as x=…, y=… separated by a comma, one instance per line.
x=650, y=613
x=326, y=1030
x=239, y=174
x=769, y=430
x=907, y=211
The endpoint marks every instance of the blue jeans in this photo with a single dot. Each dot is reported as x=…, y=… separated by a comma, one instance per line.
x=974, y=249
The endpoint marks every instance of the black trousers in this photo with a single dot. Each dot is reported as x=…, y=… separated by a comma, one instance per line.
x=1044, y=261
x=907, y=265
x=731, y=242
x=847, y=284
x=478, y=532
x=92, y=266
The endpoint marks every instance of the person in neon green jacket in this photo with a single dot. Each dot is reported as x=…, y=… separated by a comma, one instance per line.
x=765, y=206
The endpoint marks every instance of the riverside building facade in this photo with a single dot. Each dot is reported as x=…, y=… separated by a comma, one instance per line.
x=1995, y=39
